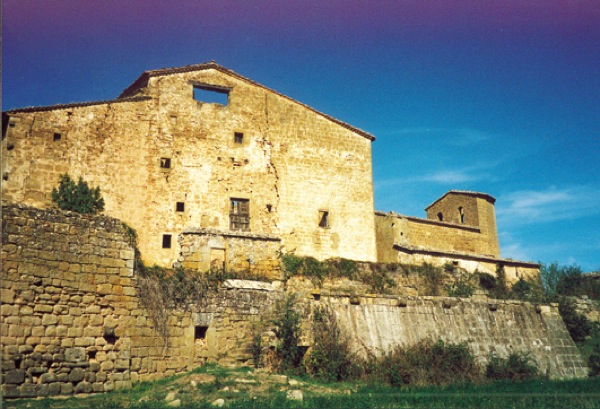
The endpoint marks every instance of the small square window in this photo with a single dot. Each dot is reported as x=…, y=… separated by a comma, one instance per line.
x=166, y=241
x=165, y=163
x=238, y=138
x=180, y=207
x=200, y=332
x=57, y=137
x=323, y=218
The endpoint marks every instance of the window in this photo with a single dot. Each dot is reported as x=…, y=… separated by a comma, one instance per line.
x=239, y=214
x=238, y=138
x=461, y=215
x=57, y=137
x=323, y=218
x=211, y=94
x=166, y=241
x=440, y=216
x=180, y=206
x=200, y=332
x=165, y=163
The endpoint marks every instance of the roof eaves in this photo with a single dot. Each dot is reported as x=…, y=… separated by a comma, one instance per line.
x=465, y=192
x=76, y=105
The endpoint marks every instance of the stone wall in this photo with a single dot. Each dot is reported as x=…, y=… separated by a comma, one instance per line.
x=73, y=320
x=246, y=254
x=376, y=323
x=414, y=240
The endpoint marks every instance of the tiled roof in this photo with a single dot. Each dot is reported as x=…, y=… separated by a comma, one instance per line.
x=465, y=192
x=142, y=82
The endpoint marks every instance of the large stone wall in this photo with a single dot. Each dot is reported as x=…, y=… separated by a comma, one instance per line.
x=376, y=323
x=291, y=163
x=73, y=319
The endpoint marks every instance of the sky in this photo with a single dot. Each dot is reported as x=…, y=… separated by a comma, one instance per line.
x=501, y=97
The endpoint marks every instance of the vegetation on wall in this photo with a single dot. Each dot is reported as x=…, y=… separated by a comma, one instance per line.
x=287, y=329
x=77, y=197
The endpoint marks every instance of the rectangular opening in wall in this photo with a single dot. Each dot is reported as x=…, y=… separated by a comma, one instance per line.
x=165, y=163
x=166, y=241
x=200, y=332
x=238, y=138
x=323, y=218
x=239, y=214
x=57, y=137
x=211, y=94
x=180, y=206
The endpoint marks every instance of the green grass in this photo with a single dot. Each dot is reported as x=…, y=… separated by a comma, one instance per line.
x=584, y=393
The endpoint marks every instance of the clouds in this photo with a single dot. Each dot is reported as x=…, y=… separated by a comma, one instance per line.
x=548, y=205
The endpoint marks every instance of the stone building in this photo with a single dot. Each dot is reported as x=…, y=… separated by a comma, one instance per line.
x=460, y=228
x=215, y=170
x=202, y=160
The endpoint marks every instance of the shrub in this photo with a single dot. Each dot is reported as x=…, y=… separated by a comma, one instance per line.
x=287, y=328
x=330, y=357
x=426, y=363
x=486, y=281
x=431, y=277
x=578, y=325
x=521, y=290
x=517, y=366
x=461, y=287
x=77, y=197
x=594, y=361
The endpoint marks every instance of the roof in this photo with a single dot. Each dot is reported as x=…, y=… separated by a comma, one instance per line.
x=143, y=79
x=467, y=193
x=77, y=104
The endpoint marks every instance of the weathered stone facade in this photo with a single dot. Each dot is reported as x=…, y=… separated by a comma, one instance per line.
x=460, y=228
x=169, y=159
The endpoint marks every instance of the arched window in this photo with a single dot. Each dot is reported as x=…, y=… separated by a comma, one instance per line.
x=461, y=215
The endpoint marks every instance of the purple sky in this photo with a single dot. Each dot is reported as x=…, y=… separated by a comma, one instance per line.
x=501, y=97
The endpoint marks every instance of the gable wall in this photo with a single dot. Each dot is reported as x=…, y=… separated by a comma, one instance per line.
x=293, y=162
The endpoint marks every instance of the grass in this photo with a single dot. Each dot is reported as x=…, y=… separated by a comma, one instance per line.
x=246, y=388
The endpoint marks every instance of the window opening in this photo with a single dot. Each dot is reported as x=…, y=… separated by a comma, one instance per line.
x=461, y=215
x=57, y=137
x=180, y=206
x=238, y=138
x=165, y=163
x=200, y=332
x=440, y=216
x=211, y=94
x=10, y=147
x=239, y=214
x=166, y=241
x=323, y=218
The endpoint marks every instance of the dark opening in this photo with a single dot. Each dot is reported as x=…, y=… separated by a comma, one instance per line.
x=5, y=176
x=57, y=137
x=165, y=163
x=109, y=336
x=461, y=215
x=92, y=354
x=238, y=138
x=200, y=332
x=166, y=242
x=316, y=296
x=323, y=218
x=440, y=216
x=17, y=363
x=269, y=208
x=180, y=206
x=211, y=94
x=10, y=147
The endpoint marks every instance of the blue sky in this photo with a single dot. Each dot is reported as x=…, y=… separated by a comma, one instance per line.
x=501, y=97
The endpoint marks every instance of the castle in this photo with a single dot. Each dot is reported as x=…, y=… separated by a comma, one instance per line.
x=213, y=169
